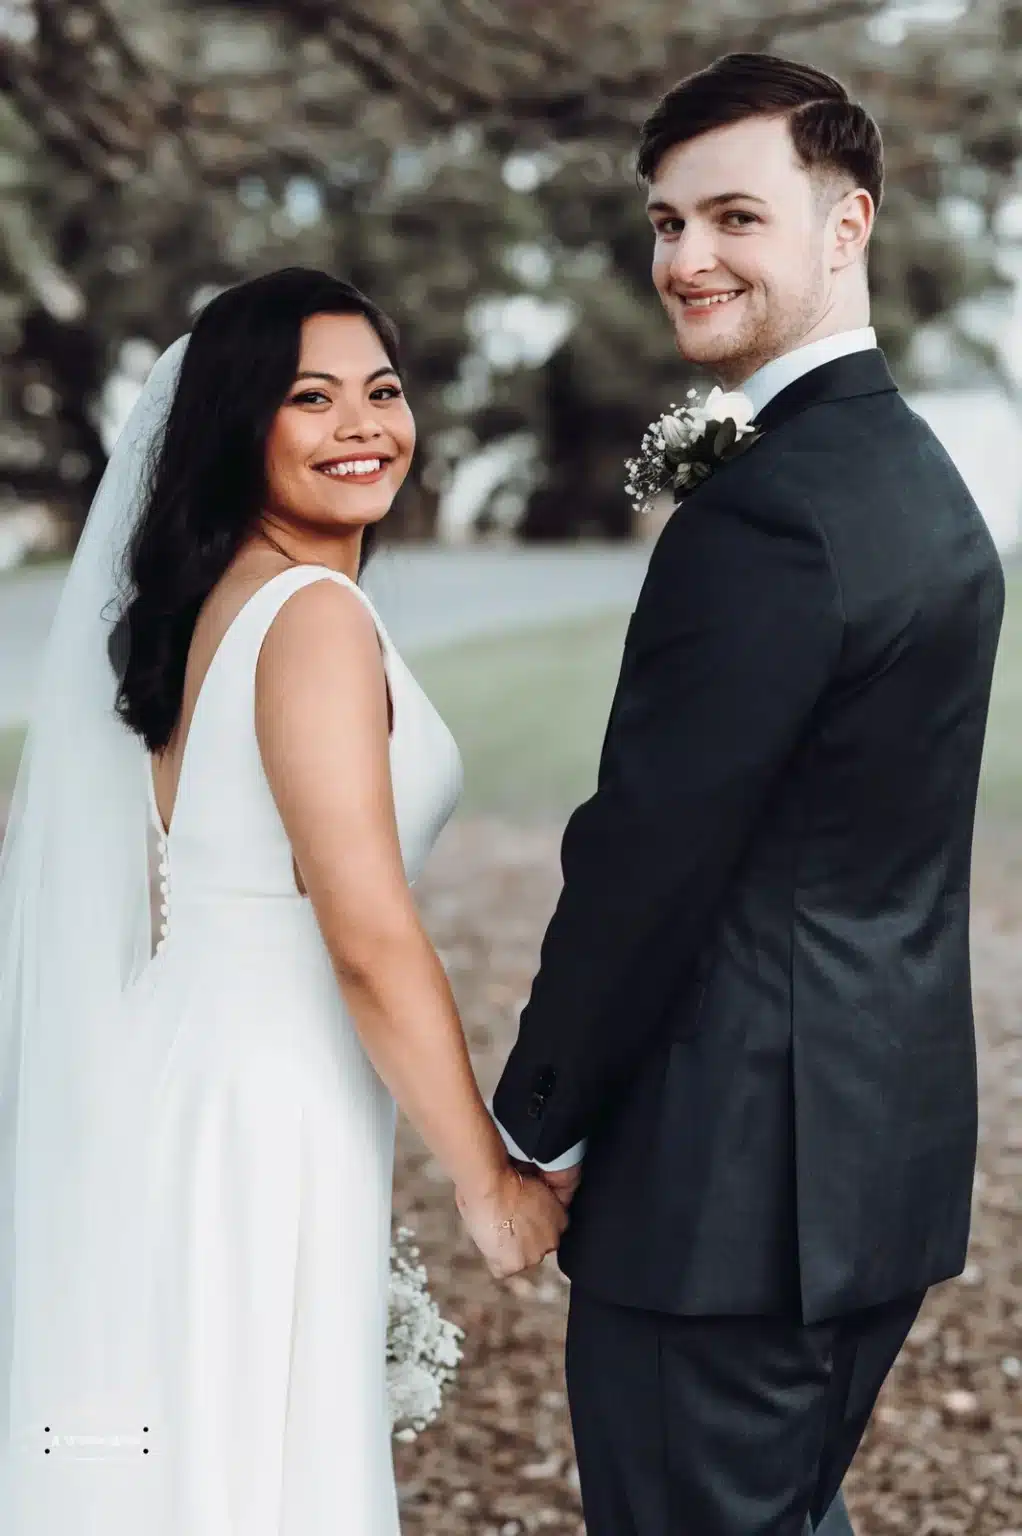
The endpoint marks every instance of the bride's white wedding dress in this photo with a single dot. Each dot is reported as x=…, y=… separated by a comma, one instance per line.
x=267, y=1142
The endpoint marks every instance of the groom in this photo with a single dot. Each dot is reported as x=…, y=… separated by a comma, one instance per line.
x=754, y=997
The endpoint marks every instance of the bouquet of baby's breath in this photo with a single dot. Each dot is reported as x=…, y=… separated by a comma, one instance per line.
x=684, y=445
x=423, y=1349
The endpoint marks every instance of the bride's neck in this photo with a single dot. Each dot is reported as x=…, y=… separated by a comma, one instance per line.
x=338, y=554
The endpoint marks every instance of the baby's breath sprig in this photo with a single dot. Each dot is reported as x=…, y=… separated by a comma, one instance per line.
x=684, y=445
x=423, y=1349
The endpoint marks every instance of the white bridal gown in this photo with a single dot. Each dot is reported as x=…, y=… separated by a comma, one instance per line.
x=267, y=1139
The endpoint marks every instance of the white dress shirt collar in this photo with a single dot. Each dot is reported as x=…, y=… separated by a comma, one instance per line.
x=776, y=375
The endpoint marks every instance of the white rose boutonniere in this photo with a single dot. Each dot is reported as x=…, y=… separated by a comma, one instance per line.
x=684, y=446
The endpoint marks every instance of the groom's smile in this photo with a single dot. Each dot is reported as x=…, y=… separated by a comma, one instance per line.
x=700, y=302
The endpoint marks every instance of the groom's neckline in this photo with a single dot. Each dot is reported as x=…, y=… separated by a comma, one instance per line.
x=843, y=378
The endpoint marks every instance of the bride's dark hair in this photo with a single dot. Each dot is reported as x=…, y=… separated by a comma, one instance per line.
x=206, y=479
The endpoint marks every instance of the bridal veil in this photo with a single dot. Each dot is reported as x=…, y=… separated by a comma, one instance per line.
x=74, y=936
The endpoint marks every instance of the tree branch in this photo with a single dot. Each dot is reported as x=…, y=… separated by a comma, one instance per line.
x=785, y=20
x=87, y=95
x=508, y=64
x=543, y=82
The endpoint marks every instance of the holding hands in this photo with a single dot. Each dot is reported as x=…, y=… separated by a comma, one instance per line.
x=516, y=1223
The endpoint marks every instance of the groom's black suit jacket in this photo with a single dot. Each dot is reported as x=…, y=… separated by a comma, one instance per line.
x=754, y=994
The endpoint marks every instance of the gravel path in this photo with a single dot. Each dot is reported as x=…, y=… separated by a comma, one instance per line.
x=943, y=1456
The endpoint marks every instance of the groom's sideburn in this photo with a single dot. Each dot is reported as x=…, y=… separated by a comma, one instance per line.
x=754, y=995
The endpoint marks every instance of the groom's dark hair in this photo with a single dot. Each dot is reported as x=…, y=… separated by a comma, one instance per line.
x=830, y=132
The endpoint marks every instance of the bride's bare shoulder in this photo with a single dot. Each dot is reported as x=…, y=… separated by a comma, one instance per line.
x=322, y=722
x=319, y=644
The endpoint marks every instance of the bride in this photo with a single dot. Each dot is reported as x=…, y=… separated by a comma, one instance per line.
x=197, y=1123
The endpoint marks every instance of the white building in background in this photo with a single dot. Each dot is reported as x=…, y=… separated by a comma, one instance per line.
x=979, y=424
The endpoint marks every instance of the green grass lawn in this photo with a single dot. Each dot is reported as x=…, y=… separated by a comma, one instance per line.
x=11, y=738
x=529, y=709
x=1001, y=787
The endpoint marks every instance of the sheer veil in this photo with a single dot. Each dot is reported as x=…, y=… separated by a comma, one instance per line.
x=74, y=937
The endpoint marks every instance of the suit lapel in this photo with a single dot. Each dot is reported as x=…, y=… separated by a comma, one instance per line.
x=846, y=378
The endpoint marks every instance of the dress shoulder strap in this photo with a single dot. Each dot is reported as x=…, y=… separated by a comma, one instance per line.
x=280, y=587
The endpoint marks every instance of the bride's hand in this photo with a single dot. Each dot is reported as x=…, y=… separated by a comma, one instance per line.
x=537, y=1220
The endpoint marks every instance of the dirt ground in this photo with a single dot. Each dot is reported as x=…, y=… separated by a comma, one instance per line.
x=943, y=1456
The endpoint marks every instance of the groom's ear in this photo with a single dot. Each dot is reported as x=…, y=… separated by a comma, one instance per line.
x=852, y=221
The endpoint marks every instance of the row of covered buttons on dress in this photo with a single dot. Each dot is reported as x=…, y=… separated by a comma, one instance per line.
x=163, y=868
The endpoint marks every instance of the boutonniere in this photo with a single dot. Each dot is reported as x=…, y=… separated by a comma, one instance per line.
x=685, y=445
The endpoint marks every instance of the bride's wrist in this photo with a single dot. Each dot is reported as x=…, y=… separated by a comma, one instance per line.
x=495, y=1187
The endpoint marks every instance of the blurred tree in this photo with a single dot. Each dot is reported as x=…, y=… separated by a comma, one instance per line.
x=445, y=155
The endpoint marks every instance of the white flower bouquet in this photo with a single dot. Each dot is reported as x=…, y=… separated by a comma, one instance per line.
x=423, y=1349
x=684, y=445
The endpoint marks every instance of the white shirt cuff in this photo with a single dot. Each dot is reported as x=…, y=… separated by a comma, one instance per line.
x=569, y=1159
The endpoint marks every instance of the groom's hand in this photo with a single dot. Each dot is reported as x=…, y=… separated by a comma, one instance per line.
x=563, y=1182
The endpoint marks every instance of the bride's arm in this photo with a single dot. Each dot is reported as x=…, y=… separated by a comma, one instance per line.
x=321, y=722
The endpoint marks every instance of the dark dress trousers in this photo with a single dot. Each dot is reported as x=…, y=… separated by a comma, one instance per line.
x=754, y=994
